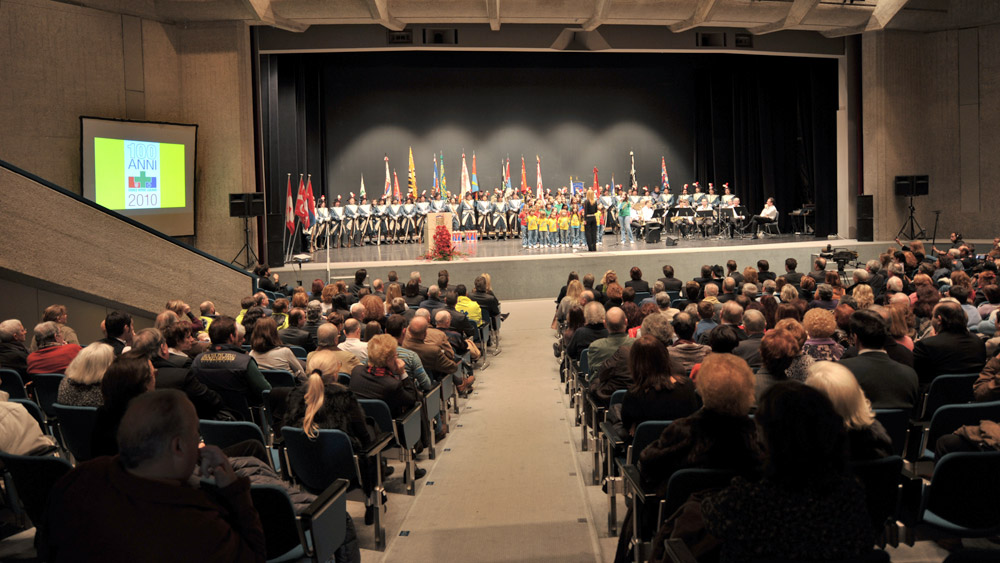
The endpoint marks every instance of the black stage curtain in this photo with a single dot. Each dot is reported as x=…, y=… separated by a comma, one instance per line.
x=769, y=126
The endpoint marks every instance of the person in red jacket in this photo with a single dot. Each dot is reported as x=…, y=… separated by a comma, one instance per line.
x=53, y=353
x=140, y=506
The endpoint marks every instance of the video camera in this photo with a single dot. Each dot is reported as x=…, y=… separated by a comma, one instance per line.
x=842, y=256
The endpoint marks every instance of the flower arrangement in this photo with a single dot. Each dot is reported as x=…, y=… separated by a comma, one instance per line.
x=443, y=249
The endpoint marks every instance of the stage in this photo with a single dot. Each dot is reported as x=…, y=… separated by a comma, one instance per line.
x=519, y=273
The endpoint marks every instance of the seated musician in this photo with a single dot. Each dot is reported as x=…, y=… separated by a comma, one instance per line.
x=681, y=219
x=704, y=222
x=767, y=215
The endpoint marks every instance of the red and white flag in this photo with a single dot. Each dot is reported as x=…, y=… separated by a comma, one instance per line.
x=387, y=193
x=540, y=192
x=289, y=208
x=310, y=201
x=301, y=207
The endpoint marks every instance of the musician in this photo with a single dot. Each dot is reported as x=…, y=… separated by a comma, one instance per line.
x=680, y=219
x=734, y=216
x=705, y=224
x=609, y=202
x=727, y=196
x=713, y=198
x=767, y=215
x=684, y=196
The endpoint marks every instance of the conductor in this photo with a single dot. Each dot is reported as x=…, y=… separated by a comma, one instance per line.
x=590, y=220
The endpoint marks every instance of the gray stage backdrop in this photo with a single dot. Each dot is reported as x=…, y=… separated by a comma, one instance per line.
x=574, y=111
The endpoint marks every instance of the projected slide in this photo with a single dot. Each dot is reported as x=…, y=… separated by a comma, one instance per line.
x=143, y=170
x=138, y=174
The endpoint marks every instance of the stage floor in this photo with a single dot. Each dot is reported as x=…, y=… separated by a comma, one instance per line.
x=407, y=253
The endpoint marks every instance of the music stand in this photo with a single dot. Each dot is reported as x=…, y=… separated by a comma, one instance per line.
x=702, y=215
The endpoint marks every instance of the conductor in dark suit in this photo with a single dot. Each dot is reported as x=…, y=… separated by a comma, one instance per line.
x=887, y=383
x=953, y=349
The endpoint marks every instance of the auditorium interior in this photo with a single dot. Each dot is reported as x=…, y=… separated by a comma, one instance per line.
x=822, y=104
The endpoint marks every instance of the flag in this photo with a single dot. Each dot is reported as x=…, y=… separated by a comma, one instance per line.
x=475, y=182
x=395, y=186
x=301, y=207
x=597, y=186
x=411, y=182
x=444, y=181
x=507, y=174
x=310, y=201
x=664, y=180
x=538, y=160
x=465, y=179
x=289, y=208
x=524, y=177
x=612, y=182
x=387, y=193
x=362, y=191
x=503, y=180
x=437, y=185
x=631, y=175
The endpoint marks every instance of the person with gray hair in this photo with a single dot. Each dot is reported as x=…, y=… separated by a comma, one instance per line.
x=433, y=302
x=875, y=277
x=159, y=447
x=749, y=349
x=594, y=329
x=663, y=304
x=53, y=354
x=327, y=338
x=82, y=385
x=750, y=291
x=13, y=354
x=352, y=340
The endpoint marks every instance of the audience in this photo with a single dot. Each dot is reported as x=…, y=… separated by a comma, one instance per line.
x=59, y=315
x=655, y=394
x=952, y=349
x=52, y=354
x=886, y=383
x=82, y=385
x=13, y=354
x=866, y=437
x=820, y=324
x=226, y=369
x=169, y=375
x=603, y=348
x=267, y=350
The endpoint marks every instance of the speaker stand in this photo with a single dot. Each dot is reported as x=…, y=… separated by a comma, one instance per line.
x=916, y=231
x=246, y=247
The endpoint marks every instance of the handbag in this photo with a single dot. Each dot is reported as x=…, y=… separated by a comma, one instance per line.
x=474, y=351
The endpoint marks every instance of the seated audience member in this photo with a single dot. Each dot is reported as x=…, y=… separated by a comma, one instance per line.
x=412, y=294
x=118, y=327
x=720, y=435
x=573, y=291
x=140, y=502
x=824, y=298
x=616, y=372
x=820, y=324
x=383, y=379
x=603, y=348
x=183, y=311
x=663, y=304
x=373, y=310
x=13, y=354
x=471, y=309
x=52, y=354
x=459, y=320
x=314, y=318
x=20, y=433
x=250, y=319
x=818, y=272
x=296, y=334
x=614, y=294
x=961, y=294
x=437, y=358
x=459, y=346
x=636, y=282
x=486, y=300
x=670, y=283
x=953, y=349
x=226, y=367
x=397, y=327
x=169, y=375
x=886, y=383
x=655, y=393
x=863, y=297
x=780, y=354
x=433, y=301
x=749, y=349
x=594, y=315
x=82, y=385
x=180, y=343
x=352, y=340
x=207, y=310
x=359, y=282
x=728, y=290
x=267, y=350
x=280, y=313
x=722, y=339
x=371, y=329
x=684, y=349
x=866, y=437
x=327, y=338
x=706, y=322
x=806, y=506
x=128, y=376
x=59, y=315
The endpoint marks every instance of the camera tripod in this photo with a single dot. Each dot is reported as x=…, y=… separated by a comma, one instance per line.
x=916, y=231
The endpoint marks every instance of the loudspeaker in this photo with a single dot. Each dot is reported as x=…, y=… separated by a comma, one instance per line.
x=866, y=218
x=670, y=241
x=256, y=204
x=653, y=235
x=275, y=224
x=246, y=204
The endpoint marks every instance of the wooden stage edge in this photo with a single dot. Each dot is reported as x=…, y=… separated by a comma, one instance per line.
x=532, y=274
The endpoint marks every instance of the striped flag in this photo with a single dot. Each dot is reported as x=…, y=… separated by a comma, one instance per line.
x=437, y=185
x=597, y=186
x=311, y=200
x=395, y=187
x=466, y=186
x=444, y=181
x=301, y=207
x=475, y=182
x=633, y=185
x=289, y=208
x=540, y=191
x=506, y=175
x=524, y=177
x=387, y=193
x=664, y=180
x=411, y=182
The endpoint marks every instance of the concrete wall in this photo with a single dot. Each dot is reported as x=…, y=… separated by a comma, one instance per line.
x=54, y=243
x=931, y=102
x=61, y=61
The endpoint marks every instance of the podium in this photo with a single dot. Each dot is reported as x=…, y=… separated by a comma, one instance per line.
x=435, y=218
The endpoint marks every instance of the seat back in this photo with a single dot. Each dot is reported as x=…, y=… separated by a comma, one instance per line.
x=408, y=427
x=34, y=410
x=673, y=295
x=379, y=411
x=432, y=401
x=33, y=478
x=299, y=351
x=316, y=463
x=225, y=433
x=77, y=427
x=881, y=478
x=277, y=518
x=585, y=363
x=617, y=397
x=948, y=389
x=344, y=379
x=683, y=482
x=11, y=382
x=324, y=521
x=965, y=491
x=896, y=422
x=47, y=390
x=640, y=295
x=645, y=434
x=279, y=377
x=949, y=418
x=234, y=402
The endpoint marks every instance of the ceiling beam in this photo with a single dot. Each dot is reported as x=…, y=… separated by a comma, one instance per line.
x=263, y=11
x=600, y=12
x=493, y=8
x=796, y=13
x=380, y=12
x=883, y=13
x=702, y=13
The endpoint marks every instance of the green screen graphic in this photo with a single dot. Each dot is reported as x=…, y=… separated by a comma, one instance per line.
x=138, y=174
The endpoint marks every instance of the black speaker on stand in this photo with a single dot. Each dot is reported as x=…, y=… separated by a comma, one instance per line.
x=245, y=206
x=866, y=218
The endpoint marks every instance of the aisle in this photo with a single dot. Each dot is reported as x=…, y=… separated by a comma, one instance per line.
x=506, y=487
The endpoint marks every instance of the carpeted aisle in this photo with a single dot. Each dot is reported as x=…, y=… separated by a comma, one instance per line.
x=507, y=487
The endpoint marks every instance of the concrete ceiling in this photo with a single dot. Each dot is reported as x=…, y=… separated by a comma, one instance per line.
x=832, y=18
